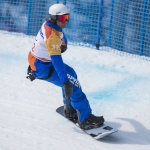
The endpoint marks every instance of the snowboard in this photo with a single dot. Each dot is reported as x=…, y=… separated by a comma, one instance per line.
x=96, y=133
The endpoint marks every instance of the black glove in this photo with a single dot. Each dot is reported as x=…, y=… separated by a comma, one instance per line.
x=63, y=48
x=67, y=89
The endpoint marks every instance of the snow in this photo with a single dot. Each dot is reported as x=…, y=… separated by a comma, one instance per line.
x=117, y=88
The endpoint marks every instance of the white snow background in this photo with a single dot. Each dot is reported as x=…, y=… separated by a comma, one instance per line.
x=118, y=87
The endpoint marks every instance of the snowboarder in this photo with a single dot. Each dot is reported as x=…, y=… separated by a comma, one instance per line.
x=46, y=63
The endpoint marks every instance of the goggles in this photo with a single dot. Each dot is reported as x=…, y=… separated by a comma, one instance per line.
x=63, y=18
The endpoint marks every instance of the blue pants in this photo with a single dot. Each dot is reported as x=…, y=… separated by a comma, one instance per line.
x=78, y=98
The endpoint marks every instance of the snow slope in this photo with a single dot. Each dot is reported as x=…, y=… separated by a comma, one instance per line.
x=117, y=88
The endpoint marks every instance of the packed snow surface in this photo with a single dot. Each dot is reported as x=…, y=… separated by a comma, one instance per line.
x=117, y=87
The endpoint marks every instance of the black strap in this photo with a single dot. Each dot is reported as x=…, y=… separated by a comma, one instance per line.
x=32, y=77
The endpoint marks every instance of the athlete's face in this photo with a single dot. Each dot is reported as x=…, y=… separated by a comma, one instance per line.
x=62, y=24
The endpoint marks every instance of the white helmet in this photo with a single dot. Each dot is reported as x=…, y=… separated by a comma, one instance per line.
x=58, y=9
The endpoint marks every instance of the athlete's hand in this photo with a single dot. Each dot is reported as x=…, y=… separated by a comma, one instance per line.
x=63, y=48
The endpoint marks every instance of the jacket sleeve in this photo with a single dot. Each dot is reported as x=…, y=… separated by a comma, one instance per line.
x=53, y=46
x=59, y=67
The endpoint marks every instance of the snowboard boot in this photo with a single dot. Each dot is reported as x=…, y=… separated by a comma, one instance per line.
x=70, y=113
x=91, y=122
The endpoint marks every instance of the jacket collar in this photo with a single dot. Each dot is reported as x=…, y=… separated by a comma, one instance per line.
x=48, y=23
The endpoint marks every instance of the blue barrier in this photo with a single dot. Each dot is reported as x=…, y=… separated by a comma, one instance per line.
x=121, y=25
x=143, y=27
x=111, y=23
x=29, y=16
x=99, y=24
